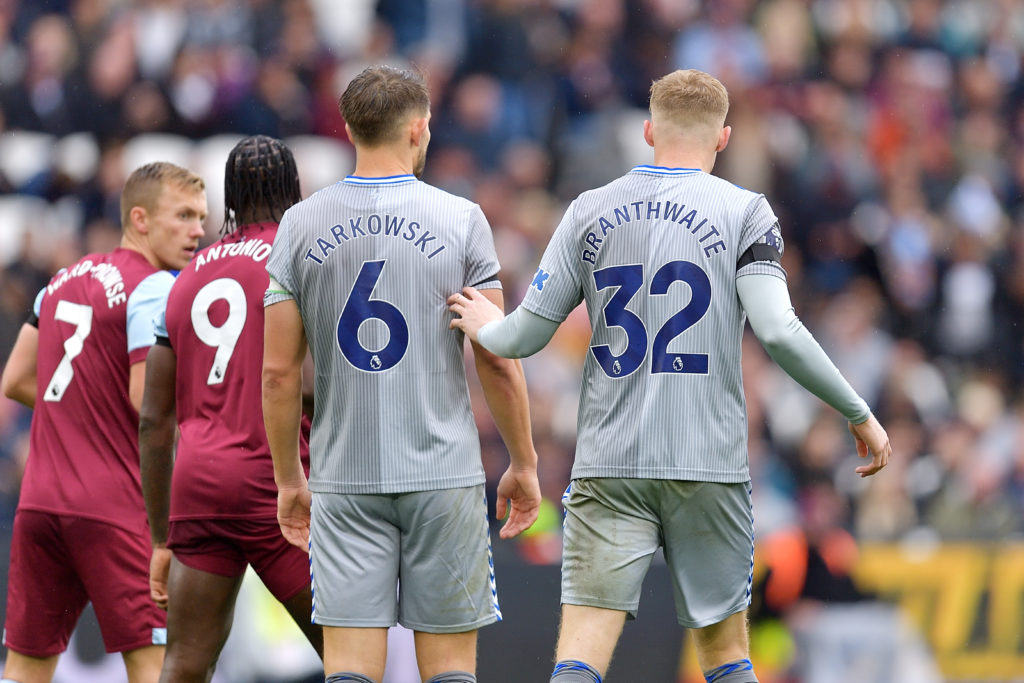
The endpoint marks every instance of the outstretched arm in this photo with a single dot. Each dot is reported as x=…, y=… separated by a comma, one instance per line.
x=505, y=390
x=156, y=459
x=765, y=299
x=522, y=333
x=284, y=350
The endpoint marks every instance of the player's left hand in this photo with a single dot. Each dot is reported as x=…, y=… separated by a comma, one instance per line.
x=475, y=311
x=293, y=505
x=159, y=568
x=522, y=490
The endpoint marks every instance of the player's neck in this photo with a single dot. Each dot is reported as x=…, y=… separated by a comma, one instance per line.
x=674, y=158
x=383, y=162
x=134, y=242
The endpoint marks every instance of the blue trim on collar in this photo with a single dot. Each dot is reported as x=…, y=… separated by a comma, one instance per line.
x=386, y=180
x=662, y=170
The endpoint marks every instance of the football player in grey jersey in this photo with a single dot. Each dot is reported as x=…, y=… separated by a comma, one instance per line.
x=362, y=270
x=670, y=261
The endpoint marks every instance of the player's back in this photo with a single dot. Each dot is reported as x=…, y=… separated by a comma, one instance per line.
x=654, y=255
x=84, y=456
x=371, y=264
x=214, y=324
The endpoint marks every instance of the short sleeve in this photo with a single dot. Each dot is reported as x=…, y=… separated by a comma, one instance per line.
x=761, y=235
x=482, y=265
x=160, y=324
x=279, y=266
x=37, y=305
x=556, y=288
x=147, y=301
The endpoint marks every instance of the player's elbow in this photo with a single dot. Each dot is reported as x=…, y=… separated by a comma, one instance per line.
x=17, y=388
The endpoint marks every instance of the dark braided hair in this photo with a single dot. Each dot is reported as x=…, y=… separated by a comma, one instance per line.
x=260, y=182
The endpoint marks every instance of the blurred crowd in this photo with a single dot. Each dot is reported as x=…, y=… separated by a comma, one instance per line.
x=888, y=136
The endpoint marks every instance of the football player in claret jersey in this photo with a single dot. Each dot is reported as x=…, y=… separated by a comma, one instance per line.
x=361, y=267
x=80, y=530
x=669, y=260
x=219, y=514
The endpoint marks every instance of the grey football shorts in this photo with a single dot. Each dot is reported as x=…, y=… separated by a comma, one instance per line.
x=421, y=559
x=613, y=527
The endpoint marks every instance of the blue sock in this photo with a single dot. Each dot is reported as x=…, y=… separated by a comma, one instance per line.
x=574, y=671
x=740, y=671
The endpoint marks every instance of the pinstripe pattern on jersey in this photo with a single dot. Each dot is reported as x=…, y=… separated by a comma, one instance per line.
x=668, y=417
x=367, y=263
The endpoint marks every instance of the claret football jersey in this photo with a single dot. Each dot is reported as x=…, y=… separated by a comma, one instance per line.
x=214, y=324
x=654, y=255
x=95, y=322
x=370, y=262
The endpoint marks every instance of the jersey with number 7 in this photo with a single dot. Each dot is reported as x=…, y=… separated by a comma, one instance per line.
x=655, y=254
x=95, y=322
x=214, y=324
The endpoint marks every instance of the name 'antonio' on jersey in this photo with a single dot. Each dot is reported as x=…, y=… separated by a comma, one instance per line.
x=370, y=262
x=654, y=255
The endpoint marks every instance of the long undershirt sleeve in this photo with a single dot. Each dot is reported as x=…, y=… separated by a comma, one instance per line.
x=766, y=300
x=517, y=335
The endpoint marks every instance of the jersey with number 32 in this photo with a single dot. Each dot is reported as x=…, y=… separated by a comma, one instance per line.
x=214, y=323
x=95, y=322
x=654, y=255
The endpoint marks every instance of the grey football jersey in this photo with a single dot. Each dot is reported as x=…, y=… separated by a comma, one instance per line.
x=370, y=264
x=654, y=255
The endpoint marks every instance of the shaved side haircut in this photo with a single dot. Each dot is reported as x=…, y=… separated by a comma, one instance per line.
x=379, y=99
x=145, y=183
x=693, y=101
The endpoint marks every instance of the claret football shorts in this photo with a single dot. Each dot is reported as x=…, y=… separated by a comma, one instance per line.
x=58, y=564
x=613, y=527
x=422, y=559
x=225, y=546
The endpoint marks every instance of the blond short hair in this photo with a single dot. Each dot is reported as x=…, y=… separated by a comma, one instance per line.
x=378, y=101
x=690, y=99
x=144, y=185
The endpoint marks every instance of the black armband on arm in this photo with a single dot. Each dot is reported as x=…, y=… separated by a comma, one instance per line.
x=163, y=341
x=759, y=251
x=33, y=320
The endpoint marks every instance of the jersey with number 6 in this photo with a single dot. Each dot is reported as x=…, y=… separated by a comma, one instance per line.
x=654, y=255
x=95, y=322
x=214, y=324
x=370, y=264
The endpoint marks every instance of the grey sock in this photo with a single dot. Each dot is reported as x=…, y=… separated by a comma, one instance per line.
x=348, y=677
x=740, y=671
x=575, y=671
x=453, y=677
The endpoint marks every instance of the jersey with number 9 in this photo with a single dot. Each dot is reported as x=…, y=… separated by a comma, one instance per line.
x=214, y=323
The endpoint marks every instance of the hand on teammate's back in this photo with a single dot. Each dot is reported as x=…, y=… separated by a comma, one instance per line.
x=293, y=514
x=519, y=497
x=871, y=438
x=475, y=311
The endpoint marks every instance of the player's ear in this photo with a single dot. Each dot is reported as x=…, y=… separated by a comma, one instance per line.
x=417, y=130
x=723, y=138
x=139, y=219
x=348, y=132
x=649, y=132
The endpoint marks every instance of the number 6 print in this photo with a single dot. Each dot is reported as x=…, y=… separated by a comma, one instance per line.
x=358, y=309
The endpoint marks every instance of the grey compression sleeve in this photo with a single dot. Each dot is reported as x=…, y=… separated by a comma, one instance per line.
x=517, y=335
x=765, y=298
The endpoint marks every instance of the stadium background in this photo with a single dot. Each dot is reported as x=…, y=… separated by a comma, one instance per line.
x=888, y=136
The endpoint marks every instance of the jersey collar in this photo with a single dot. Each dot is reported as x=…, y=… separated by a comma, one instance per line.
x=662, y=170
x=386, y=180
